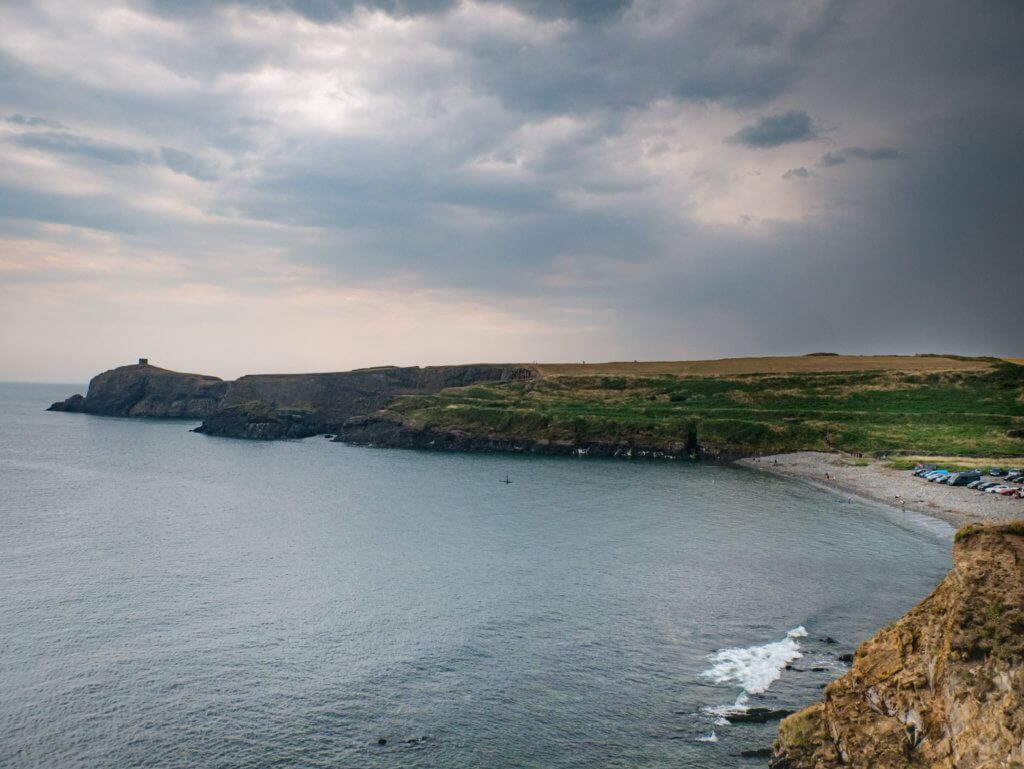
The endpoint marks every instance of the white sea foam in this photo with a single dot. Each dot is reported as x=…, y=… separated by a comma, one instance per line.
x=722, y=712
x=755, y=668
x=709, y=738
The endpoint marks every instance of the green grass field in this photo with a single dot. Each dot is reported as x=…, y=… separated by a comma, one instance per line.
x=969, y=412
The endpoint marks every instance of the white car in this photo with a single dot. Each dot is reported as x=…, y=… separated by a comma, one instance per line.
x=995, y=489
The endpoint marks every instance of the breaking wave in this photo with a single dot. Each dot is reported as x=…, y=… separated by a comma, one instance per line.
x=754, y=668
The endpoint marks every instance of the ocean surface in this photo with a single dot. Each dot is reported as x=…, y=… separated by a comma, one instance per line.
x=172, y=600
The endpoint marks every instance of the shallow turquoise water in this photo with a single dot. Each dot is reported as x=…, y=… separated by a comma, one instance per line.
x=169, y=599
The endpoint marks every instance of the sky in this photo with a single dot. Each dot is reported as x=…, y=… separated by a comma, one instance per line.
x=318, y=185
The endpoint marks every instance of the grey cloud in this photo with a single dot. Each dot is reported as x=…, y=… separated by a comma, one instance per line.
x=776, y=130
x=332, y=10
x=874, y=153
x=411, y=204
x=832, y=158
x=71, y=144
x=314, y=10
x=32, y=121
x=183, y=162
x=95, y=212
x=838, y=157
x=581, y=10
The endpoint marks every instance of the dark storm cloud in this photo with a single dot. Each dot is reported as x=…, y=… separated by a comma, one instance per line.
x=735, y=53
x=776, y=130
x=572, y=158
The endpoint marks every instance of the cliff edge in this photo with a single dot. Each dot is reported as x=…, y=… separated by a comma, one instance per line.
x=148, y=391
x=942, y=687
x=272, y=406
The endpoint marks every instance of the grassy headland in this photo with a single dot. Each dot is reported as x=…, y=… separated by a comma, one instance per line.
x=927, y=404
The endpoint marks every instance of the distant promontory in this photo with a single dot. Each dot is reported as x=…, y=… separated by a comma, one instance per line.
x=937, y=404
x=270, y=406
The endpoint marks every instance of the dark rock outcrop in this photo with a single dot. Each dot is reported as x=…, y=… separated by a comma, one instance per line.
x=148, y=391
x=942, y=687
x=759, y=716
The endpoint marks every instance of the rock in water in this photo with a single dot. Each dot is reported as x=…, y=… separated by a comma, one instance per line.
x=943, y=687
x=759, y=716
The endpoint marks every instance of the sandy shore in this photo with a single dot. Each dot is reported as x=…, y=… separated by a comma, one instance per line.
x=955, y=505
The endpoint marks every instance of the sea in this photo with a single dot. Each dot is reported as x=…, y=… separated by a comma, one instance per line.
x=169, y=599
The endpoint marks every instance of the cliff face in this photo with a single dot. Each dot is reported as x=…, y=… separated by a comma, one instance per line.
x=148, y=391
x=943, y=687
x=387, y=429
x=271, y=406
x=299, y=405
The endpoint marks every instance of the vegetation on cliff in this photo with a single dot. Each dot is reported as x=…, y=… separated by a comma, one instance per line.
x=943, y=687
x=965, y=412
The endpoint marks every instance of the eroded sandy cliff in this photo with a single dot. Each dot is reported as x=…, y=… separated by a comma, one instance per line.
x=943, y=687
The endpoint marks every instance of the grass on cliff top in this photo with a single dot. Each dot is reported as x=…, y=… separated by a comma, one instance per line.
x=818, y=363
x=951, y=412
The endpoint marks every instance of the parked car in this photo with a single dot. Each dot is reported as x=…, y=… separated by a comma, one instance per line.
x=1010, y=491
x=963, y=479
x=932, y=477
x=975, y=484
x=995, y=472
x=987, y=485
x=1013, y=471
x=996, y=489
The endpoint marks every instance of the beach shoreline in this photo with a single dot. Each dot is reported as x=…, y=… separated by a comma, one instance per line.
x=897, y=489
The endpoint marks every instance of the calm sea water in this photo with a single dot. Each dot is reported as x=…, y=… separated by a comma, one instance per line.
x=171, y=600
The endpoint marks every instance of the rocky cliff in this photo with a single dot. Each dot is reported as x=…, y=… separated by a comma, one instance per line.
x=271, y=406
x=943, y=687
x=388, y=429
x=148, y=391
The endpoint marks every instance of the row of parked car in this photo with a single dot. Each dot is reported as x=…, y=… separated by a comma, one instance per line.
x=975, y=479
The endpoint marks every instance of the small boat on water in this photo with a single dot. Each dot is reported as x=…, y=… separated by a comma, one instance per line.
x=507, y=479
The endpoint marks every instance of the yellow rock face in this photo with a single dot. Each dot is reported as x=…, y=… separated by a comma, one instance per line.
x=943, y=687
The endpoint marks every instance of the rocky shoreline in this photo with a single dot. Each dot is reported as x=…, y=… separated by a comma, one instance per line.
x=899, y=489
x=941, y=687
x=386, y=430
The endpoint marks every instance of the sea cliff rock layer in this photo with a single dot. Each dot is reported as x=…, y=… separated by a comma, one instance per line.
x=943, y=687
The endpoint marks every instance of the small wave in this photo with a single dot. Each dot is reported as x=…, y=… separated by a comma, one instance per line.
x=722, y=712
x=709, y=738
x=755, y=668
